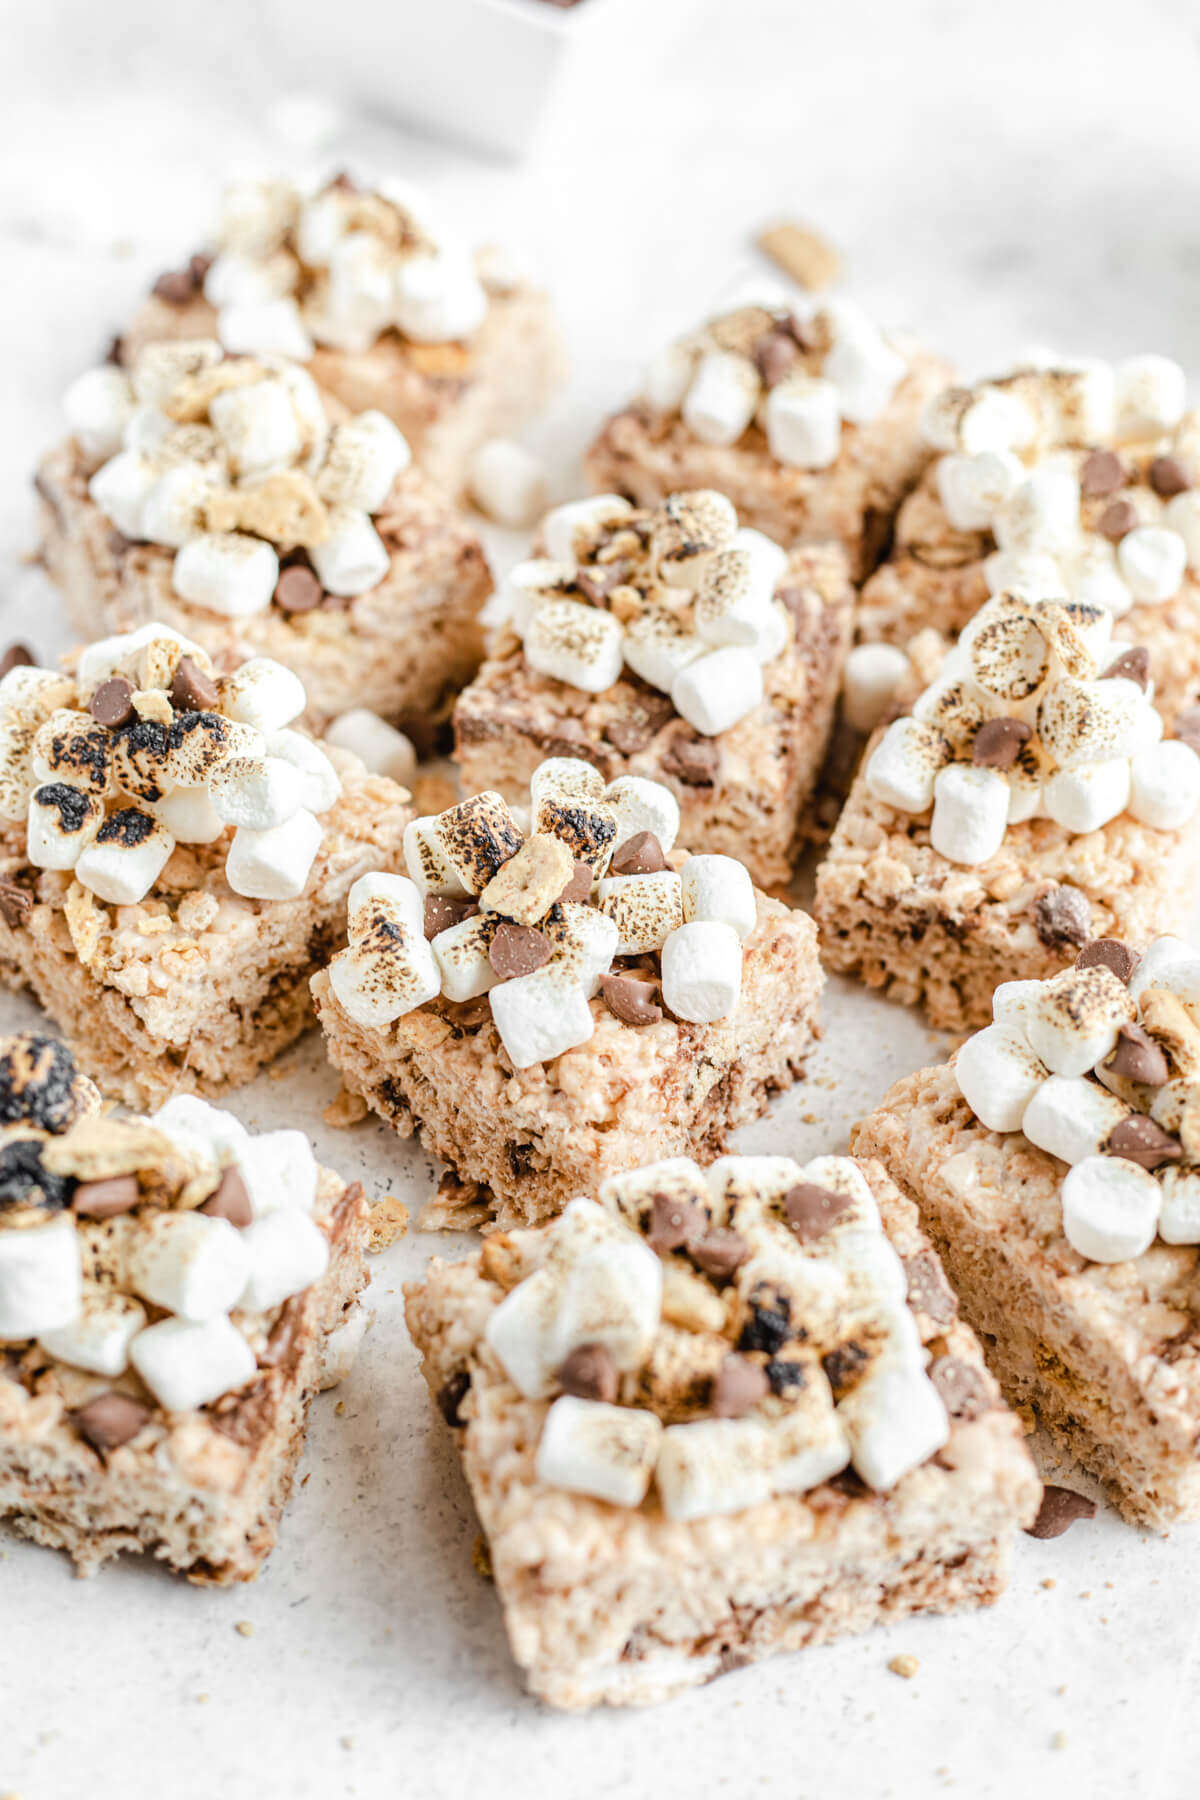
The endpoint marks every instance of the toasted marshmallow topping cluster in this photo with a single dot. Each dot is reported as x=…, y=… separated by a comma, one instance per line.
x=730, y=1334
x=678, y=591
x=1082, y=473
x=1036, y=712
x=796, y=377
x=231, y=462
x=157, y=1245
x=144, y=748
x=1100, y=1066
x=338, y=267
x=535, y=921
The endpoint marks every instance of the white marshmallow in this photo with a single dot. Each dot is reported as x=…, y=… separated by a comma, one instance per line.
x=871, y=676
x=1179, y=1220
x=581, y=645
x=1072, y=1118
x=363, y=458
x=173, y=510
x=719, y=888
x=118, y=869
x=427, y=862
x=642, y=805
x=189, y=816
x=1165, y=785
x=55, y=836
x=1093, y=578
x=257, y=424
x=658, y=646
x=612, y=1295
x=119, y=488
x=562, y=523
x=187, y=1262
x=804, y=422
x=97, y=406
x=721, y=397
x=998, y=1075
x=530, y=584
x=970, y=813
x=146, y=430
x=1033, y=574
x=438, y=298
x=40, y=1278
x=228, y=572
x=667, y=377
x=273, y=864
x=1182, y=515
x=717, y=689
x=702, y=971
x=895, y=1420
x=256, y=215
x=286, y=1253
x=866, y=372
x=905, y=763
x=588, y=1447
x=1152, y=562
x=161, y=366
x=542, y=1015
x=811, y=1446
x=279, y=1170
x=714, y=1466
x=320, y=784
x=1086, y=798
x=644, y=908
x=768, y=560
x=507, y=482
x=258, y=792
x=565, y=778
x=520, y=1334
x=99, y=1338
x=264, y=694
x=1151, y=394
x=732, y=601
x=1072, y=1024
x=187, y=1118
x=111, y=656
x=265, y=327
x=1010, y=1006
x=1082, y=722
x=234, y=279
x=585, y=943
x=393, y=896
x=1041, y=514
x=353, y=558
x=383, y=749
x=187, y=1365
x=1110, y=1209
x=973, y=488
x=461, y=954
x=995, y=420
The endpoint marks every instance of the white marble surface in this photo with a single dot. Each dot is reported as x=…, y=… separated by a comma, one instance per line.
x=995, y=177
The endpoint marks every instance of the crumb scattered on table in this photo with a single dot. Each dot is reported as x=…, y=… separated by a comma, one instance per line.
x=802, y=253
x=388, y=1221
x=348, y=1109
x=904, y=1665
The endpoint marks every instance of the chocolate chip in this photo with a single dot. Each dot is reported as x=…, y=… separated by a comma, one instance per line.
x=1137, y=1057
x=719, y=1254
x=231, y=1200
x=1117, y=519
x=1144, y=1142
x=110, y=1420
x=16, y=904
x=694, y=761
x=650, y=713
x=518, y=950
x=1109, y=953
x=738, y=1388
x=998, y=743
x=928, y=1290
x=451, y=1396
x=768, y=1328
x=589, y=1373
x=105, y=1199
x=176, y=286
x=1060, y=1509
x=298, y=589
x=1168, y=477
x=112, y=702
x=192, y=690
x=633, y=1002
x=811, y=1210
x=594, y=588
x=17, y=656
x=963, y=1387
x=1187, y=727
x=198, y=267
x=1063, y=916
x=579, y=887
x=674, y=1224
x=441, y=913
x=639, y=855
x=1100, y=473
x=1131, y=665
x=775, y=353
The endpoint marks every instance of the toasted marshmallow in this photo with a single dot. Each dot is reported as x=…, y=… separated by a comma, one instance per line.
x=257, y=792
x=998, y=1074
x=461, y=954
x=363, y=458
x=904, y=764
x=40, y=1279
x=970, y=813
x=972, y=489
x=1086, y=798
x=658, y=646
x=257, y=425
x=1164, y=785
x=542, y=1015
x=320, y=784
x=585, y=942
x=274, y=864
x=804, y=422
x=717, y=689
x=383, y=897
x=187, y=1365
x=866, y=372
x=611, y=1295
x=388, y=974
x=477, y=837
x=1083, y=722
x=264, y=328
x=566, y=778
x=353, y=558
x=227, y=572
x=189, y=1263
x=120, y=487
x=644, y=908
x=871, y=676
x=97, y=406
x=125, y=858
x=581, y=645
x=263, y=693
x=719, y=888
x=383, y=749
x=234, y=279
x=895, y=1419
x=173, y=510
x=507, y=482
x=721, y=397
x=62, y=822
x=1031, y=574
x=687, y=531
x=1072, y=1118
x=714, y=1466
x=588, y=1447
x=1162, y=961
x=1010, y=1006
x=286, y=1253
x=279, y=1170
x=427, y=860
x=563, y=527
x=643, y=805
x=1072, y=1023
x=702, y=971
x=98, y=1339
x=1151, y=394
x=438, y=298
x=1110, y=1209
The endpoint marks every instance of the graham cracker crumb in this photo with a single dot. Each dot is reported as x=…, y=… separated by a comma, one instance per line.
x=244, y=1628
x=1059, y=1741
x=801, y=253
x=1048, y=1581
x=904, y=1665
x=481, y=1558
x=387, y=1221
x=340, y=1409
x=348, y=1109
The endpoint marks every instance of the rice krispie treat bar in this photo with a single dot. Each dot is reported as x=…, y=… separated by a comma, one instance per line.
x=666, y=642
x=1072, y=480
x=1056, y=1163
x=809, y=424
x=388, y=313
x=222, y=495
x=173, y=1291
x=175, y=858
x=1027, y=803
x=720, y=1414
x=547, y=1002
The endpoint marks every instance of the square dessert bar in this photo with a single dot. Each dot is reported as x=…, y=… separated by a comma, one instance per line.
x=1076, y=479
x=1056, y=1165
x=1026, y=804
x=543, y=1008
x=175, y=859
x=223, y=496
x=666, y=643
x=810, y=425
x=722, y=1413
x=385, y=311
x=173, y=1292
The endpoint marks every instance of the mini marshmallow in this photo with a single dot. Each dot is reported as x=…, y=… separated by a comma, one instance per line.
x=438, y=298
x=810, y=1444
x=643, y=805
x=257, y=425
x=173, y=510
x=1089, y=721
x=1010, y=1006
x=461, y=954
x=519, y=1333
x=768, y=560
x=1151, y=394
x=1084, y=799
x=905, y=763
x=383, y=749
x=1182, y=515
x=568, y=778
x=394, y=896
x=256, y=215
x=189, y=816
x=952, y=705
x=542, y=1015
x=1072, y=1118
x=1031, y=574
x=1110, y=1209
x=714, y=1466
x=1094, y=580
x=263, y=693
x=125, y=858
x=970, y=813
x=234, y=279
x=320, y=784
x=389, y=974
x=62, y=822
x=160, y=367
x=507, y=482
x=644, y=908
x=279, y=1170
x=478, y=836
x=427, y=861
x=1179, y=1220
x=1165, y=961
x=40, y=1279
x=998, y=1075
x=585, y=942
x=187, y=1262
x=589, y=1447
x=687, y=531
x=1041, y=514
x=1072, y=1023
x=1152, y=563
x=895, y=1420
x=702, y=971
x=721, y=397
x=265, y=328
x=804, y=422
x=257, y=792
x=530, y=584
x=353, y=558
x=668, y=376
x=580, y=645
x=561, y=526
x=717, y=689
x=870, y=678
x=286, y=1254
x=659, y=646
x=358, y=300
x=611, y=1295
x=1164, y=785
x=197, y=1120
x=119, y=488
x=97, y=406
x=972, y=489
x=732, y=601
x=99, y=1338
x=187, y=1365
x=273, y=864
x=227, y=572
x=866, y=372
x=109, y=656
x=719, y=888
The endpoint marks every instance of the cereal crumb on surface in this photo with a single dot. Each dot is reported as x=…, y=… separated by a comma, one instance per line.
x=801, y=253
x=244, y=1628
x=1059, y=1741
x=348, y=1109
x=387, y=1222
x=340, y=1409
x=904, y=1665
x=481, y=1558
x=1048, y=1581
